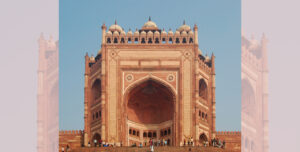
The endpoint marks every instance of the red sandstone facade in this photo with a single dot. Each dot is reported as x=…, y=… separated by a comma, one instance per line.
x=150, y=84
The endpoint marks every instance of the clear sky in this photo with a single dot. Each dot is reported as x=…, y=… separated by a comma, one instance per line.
x=219, y=26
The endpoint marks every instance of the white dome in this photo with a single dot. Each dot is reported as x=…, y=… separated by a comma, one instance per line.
x=115, y=27
x=183, y=33
x=129, y=33
x=92, y=58
x=156, y=33
x=149, y=25
x=184, y=27
x=109, y=33
x=136, y=33
x=150, y=33
x=170, y=33
x=116, y=33
x=143, y=33
x=164, y=33
x=123, y=33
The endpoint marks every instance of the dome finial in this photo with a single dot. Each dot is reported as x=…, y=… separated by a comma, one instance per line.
x=149, y=18
x=183, y=22
x=115, y=22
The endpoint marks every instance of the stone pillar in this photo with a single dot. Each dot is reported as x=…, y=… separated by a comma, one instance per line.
x=196, y=34
x=86, y=105
x=103, y=33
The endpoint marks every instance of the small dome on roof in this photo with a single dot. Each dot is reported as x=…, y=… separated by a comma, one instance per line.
x=92, y=59
x=206, y=58
x=170, y=32
x=149, y=25
x=136, y=33
x=191, y=32
x=183, y=33
x=129, y=33
x=150, y=33
x=156, y=33
x=143, y=33
x=115, y=27
x=116, y=33
x=177, y=33
x=109, y=33
x=163, y=33
x=123, y=33
x=184, y=27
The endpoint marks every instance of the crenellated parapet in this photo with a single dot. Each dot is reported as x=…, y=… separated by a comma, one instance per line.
x=148, y=34
x=70, y=132
x=228, y=133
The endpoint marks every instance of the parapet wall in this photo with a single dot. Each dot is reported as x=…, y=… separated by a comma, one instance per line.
x=73, y=138
x=232, y=139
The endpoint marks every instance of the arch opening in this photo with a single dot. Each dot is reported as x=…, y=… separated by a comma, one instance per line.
x=96, y=91
x=150, y=103
x=202, y=89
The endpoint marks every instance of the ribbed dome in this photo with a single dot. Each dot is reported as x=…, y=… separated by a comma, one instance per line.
x=115, y=27
x=109, y=33
x=163, y=33
x=191, y=33
x=184, y=27
x=183, y=33
x=92, y=59
x=116, y=33
x=149, y=25
x=170, y=33
x=123, y=33
x=150, y=33
x=136, y=33
x=143, y=33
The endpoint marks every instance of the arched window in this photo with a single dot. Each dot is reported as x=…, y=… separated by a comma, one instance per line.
x=137, y=133
x=129, y=131
x=149, y=134
x=169, y=131
x=136, y=40
x=170, y=40
x=191, y=40
x=144, y=134
x=154, y=134
x=133, y=132
x=165, y=132
x=202, y=114
x=115, y=40
x=184, y=40
x=156, y=40
x=122, y=40
x=143, y=40
x=163, y=40
x=202, y=89
x=108, y=40
x=96, y=89
x=150, y=40
x=129, y=40
x=96, y=115
x=199, y=113
x=177, y=40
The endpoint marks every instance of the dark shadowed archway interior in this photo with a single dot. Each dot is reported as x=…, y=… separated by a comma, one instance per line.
x=150, y=103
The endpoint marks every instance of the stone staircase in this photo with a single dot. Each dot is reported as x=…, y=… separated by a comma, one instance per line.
x=147, y=149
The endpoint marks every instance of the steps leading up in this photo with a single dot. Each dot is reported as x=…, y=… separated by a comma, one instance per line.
x=147, y=149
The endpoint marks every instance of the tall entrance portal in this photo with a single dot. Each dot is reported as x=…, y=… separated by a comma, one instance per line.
x=150, y=112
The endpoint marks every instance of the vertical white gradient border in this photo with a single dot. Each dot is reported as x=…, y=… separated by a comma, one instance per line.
x=22, y=22
x=279, y=20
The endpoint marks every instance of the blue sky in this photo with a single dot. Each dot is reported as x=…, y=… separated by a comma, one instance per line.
x=219, y=26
